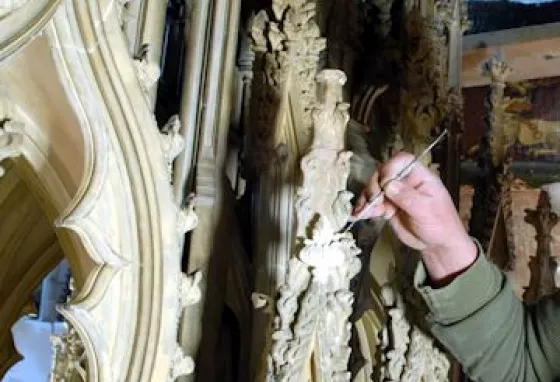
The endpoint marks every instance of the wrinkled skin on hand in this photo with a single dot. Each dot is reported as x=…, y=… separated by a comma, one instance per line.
x=422, y=215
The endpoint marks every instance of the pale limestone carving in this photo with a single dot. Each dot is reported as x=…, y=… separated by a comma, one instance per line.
x=424, y=361
x=11, y=139
x=181, y=365
x=289, y=44
x=190, y=289
x=172, y=142
x=407, y=353
x=147, y=71
x=69, y=359
x=262, y=302
x=9, y=6
x=320, y=275
x=187, y=219
x=394, y=337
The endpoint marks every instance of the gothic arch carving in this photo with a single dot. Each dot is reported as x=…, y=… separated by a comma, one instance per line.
x=115, y=216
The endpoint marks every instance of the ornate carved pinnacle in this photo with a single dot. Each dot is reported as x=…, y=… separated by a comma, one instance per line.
x=498, y=70
x=541, y=265
x=542, y=218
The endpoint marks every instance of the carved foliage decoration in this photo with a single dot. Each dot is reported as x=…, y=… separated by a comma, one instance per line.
x=407, y=353
x=492, y=158
x=315, y=301
x=148, y=72
x=287, y=44
x=424, y=103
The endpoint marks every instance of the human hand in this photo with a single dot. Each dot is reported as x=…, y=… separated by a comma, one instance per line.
x=422, y=215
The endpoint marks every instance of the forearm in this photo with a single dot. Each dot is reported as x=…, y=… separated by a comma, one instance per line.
x=494, y=336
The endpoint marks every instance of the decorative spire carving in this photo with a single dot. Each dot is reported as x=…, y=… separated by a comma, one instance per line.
x=315, y=301
x=492, y=158
x=287, y=43
x=542, y=265
x=498, y=71
x=181, y=365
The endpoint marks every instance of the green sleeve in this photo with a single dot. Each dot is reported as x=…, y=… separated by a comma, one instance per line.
x=490, y=332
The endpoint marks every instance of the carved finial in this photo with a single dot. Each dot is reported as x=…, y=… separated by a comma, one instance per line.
x=190, y=289
x=331, y=116
x=11, y=140
x=498, y=70
x=147, y=71
x=542, y=265
x=172, y=141
x=187, y=220
x=181, y=364
x=262, y=302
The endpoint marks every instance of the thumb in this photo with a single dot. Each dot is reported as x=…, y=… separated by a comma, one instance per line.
x=405, y=197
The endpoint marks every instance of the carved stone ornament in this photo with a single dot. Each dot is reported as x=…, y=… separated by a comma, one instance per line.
x=187, y=219
x=287, y=43
x=11, y=139
x=498, y=71
x=69, y=359
x=315, y=301
x=407, y=353
x=9, y=6
x=172, y=142
x=148, y=72
x=542, y=264
x=181, y=365
x=190, y=289
x=424, y=101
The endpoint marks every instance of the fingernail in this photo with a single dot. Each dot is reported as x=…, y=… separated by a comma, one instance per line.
x=393, y=188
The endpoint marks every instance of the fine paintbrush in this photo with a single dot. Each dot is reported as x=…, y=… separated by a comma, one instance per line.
x=377, y=198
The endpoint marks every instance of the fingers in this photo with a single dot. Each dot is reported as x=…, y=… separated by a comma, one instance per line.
x=405, y=235
x=363, y=211
x=406, y=198
x=417, y=176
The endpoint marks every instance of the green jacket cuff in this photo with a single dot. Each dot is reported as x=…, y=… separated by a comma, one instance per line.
x=465, y=295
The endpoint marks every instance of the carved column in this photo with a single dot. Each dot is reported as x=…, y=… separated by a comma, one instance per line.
x=311, y=328
x=452, y=17
x=491, y=159
x=542, y=265
x=205, y=113
x=287, y=45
